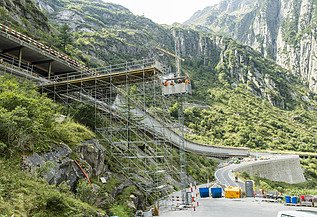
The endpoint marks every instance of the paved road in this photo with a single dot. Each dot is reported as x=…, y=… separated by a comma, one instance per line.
x=222, y=207
x=225, y=177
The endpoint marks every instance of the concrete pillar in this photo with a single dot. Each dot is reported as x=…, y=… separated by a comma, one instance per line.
x=49, y=70
x=20, y=55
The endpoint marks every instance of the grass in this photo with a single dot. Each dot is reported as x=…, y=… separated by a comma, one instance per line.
x=21, y=194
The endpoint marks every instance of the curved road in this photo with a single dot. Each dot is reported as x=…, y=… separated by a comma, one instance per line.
x=225, y=177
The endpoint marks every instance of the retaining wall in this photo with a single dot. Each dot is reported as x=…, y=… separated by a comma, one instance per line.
x=286, y=169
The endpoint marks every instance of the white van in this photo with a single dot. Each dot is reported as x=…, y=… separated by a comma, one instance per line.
x=299, y=213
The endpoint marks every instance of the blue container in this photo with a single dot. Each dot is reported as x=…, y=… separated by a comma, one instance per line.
x=294, y=200
x=204, y=192
x=287, y=199
x=216, y=192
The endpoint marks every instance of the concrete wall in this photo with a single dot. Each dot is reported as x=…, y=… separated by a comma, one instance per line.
x=284, y=169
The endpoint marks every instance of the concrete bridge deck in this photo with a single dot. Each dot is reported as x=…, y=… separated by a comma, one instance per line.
x=43, y=60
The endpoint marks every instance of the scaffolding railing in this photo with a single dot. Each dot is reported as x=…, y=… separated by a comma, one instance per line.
x=9, y=32
x=117, y=68
x=12, y=65
x=124, y=150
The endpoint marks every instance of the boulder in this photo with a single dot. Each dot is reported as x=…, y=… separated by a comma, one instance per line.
x=57, y=166
x=94, y=154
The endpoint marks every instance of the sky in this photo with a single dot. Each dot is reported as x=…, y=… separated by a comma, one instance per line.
x=165, y=11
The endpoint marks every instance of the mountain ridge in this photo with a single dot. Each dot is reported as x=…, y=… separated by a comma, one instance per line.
x=252, y=101
x=282, y=30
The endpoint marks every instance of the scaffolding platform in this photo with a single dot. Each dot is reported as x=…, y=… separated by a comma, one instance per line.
x=121, y=74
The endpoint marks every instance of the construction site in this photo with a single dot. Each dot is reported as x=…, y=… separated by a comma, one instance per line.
x=129, y=102
x=124, y=95
x=125, y=98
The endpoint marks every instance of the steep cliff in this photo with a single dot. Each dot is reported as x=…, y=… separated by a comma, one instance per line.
x=283, y=30
x=229, y=64
x=106, y=33
x=24, y=14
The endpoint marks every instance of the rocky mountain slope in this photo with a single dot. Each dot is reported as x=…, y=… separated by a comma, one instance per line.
x=23, y=14
x=253, y=101
x=108, y=33
x=283, y=30
x=105, y=33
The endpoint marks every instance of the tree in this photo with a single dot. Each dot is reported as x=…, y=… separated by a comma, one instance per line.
x=65, y=37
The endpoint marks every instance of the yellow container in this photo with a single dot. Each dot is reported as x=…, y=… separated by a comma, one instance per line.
x=232, y=192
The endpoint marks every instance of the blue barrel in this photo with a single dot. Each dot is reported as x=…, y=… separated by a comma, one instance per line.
x=204, y=192
x=287, y=199
x=294, y=200
x=216, y=192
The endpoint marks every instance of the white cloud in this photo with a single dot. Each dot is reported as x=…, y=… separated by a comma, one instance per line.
x=165, y=11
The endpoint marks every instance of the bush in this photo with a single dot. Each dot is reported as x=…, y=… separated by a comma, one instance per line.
x=56, y=204
x=28, y=120
x=71, y=132
x=85, y=192
x=119, y=210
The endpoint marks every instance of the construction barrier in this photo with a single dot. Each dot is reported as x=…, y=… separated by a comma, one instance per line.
x=232, y=192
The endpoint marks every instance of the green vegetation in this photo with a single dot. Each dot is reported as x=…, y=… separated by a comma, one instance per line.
x=201, y=168
x=24, y=195
x=252, y=103
x=238, y=118
x=29, y=121
x=65, y=36
x=290, y=25
x=310, y=166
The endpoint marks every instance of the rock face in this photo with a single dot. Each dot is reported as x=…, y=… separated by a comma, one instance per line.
x=93, y=153
x=23, y=12
x=283, y=30
x=106, y=32
x=58, y=166
x=237, y=64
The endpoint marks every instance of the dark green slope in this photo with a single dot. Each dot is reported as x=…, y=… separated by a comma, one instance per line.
x=238, y=118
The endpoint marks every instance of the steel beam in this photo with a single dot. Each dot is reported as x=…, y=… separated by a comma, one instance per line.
x=18, y=48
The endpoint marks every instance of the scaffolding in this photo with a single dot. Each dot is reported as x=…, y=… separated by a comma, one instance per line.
x=125, y=97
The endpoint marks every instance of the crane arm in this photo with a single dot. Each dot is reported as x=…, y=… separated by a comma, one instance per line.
x=169, y=53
